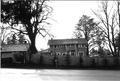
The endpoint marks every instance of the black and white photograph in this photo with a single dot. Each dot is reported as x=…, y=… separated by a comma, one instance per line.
x=60, y=40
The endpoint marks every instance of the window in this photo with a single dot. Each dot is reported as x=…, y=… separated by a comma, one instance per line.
x=63, y=45
x=81, y=54
x=70, y=45
x=72, y=52
x=79, y=45
x=83, y=45
x=58, y=53
x=55, y=46
x=63, y=54
x=51, y=46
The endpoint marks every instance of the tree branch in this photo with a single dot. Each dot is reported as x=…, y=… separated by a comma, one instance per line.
x=20, y=31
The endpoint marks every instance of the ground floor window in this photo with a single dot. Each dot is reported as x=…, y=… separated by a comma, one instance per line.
x=81, y=53
x=72, y=53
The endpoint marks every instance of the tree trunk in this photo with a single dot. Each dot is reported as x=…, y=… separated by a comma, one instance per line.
x=87, y=53
x=86, y=37
x=119, y=27
x=32, y=49
x=119, y=45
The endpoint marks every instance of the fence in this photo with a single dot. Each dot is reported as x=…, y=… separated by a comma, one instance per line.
x=75, y=61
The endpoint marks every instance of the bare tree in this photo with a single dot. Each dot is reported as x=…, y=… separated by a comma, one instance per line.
x=118, y=7
x=108, y=25
x=86, y=28
x=98, y=41
x=31, y=14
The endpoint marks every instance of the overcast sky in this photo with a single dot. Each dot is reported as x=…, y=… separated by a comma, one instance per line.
x=65, y=17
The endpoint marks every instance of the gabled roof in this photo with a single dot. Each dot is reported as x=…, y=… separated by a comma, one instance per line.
x=14, y=47
x=67, y=41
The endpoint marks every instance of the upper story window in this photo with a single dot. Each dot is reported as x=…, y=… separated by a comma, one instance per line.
x=62, y=46
x=51, y=46
x=68, y=45
x=81, y=45
x=55, y=46
x=71, y=45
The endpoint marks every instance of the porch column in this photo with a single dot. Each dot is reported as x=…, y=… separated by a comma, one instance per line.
x=76, y=49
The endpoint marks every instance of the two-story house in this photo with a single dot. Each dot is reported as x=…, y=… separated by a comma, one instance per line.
x=68, y=46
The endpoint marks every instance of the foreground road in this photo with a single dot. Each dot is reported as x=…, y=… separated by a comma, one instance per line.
x=58, y=75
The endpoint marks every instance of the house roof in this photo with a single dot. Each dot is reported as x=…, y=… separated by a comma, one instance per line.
x=67, y=41
x=14, y=47
x=44, y=51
